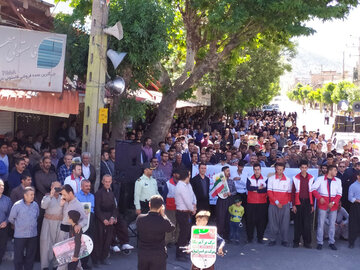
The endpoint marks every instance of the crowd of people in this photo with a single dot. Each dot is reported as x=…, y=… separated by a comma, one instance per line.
x=45, y=186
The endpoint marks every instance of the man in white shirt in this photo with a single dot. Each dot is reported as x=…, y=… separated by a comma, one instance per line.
x=74, y=180
x=88, y=170
x=185, y=201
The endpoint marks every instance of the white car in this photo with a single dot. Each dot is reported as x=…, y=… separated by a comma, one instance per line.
x=267, y=108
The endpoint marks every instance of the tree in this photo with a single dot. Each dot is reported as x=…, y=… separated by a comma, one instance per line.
x=248, y=80
x=341, y=91
x=327, y=92
x=206, y=33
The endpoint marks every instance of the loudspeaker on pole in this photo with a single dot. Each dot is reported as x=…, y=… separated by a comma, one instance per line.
x=115, y=31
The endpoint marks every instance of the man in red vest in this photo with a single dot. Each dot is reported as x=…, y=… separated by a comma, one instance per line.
x=303, y=206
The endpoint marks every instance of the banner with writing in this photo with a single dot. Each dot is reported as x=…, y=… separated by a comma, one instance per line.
x=212, y=170
x=203, y=246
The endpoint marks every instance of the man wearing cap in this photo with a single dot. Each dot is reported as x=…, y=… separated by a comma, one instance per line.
x=145, y=187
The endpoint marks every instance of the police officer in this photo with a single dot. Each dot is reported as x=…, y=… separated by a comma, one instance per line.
x=145, y=187
x=151, y=229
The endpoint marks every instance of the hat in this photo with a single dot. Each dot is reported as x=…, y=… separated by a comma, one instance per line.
x=223, y=157
x=147, y=166
x=74, y=216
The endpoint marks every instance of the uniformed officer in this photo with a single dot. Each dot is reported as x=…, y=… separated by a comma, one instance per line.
x=145, y=187
x=151, y=228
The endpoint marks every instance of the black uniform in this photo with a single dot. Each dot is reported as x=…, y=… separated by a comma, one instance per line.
x=201, y=189
x=105, y=208
x=151, y=228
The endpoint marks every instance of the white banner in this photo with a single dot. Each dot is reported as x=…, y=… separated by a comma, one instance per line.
x=31, y=60
x=211, y=170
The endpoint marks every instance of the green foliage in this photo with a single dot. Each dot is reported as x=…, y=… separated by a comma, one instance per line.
x=146, y=25
x=248, y=79
x=127, y=108
x=341, y=91
x=327, y=92
x=77, y=44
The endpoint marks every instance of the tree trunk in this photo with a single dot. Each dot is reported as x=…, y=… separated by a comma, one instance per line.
x=162, y=123
x=331, y=109
x=321, y=107
x=118, y=130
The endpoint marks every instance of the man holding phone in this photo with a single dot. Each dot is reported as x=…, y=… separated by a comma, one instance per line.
x=151, y=229
x=50, y=229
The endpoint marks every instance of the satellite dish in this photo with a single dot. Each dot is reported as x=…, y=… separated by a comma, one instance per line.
x=116, y=86
x=343, y=105
x=115, y=31
x=356, y=106
x=115, y=57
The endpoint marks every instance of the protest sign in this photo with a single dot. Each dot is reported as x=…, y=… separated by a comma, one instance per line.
x=203, y=246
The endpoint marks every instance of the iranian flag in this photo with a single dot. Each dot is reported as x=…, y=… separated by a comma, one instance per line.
x=218, y=185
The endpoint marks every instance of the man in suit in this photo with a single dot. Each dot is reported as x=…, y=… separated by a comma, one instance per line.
x=201, y=186
x=186, y=157
x=88, y=170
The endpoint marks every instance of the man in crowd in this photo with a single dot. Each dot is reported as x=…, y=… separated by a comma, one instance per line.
x=14, y=178
x=222, y=205
x=85, y=196
x=88, y=170
x=5, y=207
x=257, y=208
x=69, y=202
x=145, y=187
x=65, y=169
x=303, y=206
x=201, y=186
x=240, y=184
x=23, y=216
x=104, y=165
x=74, y=180
x=43, y=179
x=354, y=215
x=151, y=228
x=165, y=166
x=327, y=190
x=185, y=201
x=5, y=159
x=279, y=192
x=18, y=192
x=50, y=229
x=170, y=207
x=106, y=216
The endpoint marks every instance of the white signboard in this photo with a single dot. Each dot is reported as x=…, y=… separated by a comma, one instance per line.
x=212, y=170
x=203, y=246
x=31, y=60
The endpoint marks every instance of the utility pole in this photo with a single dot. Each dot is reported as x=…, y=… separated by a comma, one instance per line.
x=95, y=82
x=343, y=66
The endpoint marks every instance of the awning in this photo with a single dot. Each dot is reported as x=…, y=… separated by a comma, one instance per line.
x=155, y=97
x=53, y=104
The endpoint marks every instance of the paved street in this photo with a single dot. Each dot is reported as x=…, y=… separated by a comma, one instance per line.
x=254, y=256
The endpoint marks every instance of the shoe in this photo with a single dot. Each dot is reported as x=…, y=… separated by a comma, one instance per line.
x=351, y=246
x=105, y=262
x=260, y=241
x=295, y=245
x=126, y=246
x=319, y=247
x=333, y=247
x=229, y=241
x=116, y=249
x=307, y=246
x=237, y=242
x=285, y=244
x=86, y=267
x=272, y=243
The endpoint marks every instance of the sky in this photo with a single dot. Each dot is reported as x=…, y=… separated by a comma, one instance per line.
x=331, y=39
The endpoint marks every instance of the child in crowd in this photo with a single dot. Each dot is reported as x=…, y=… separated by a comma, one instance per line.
x=236, y=211
x=74, y=217
x=202, y=219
